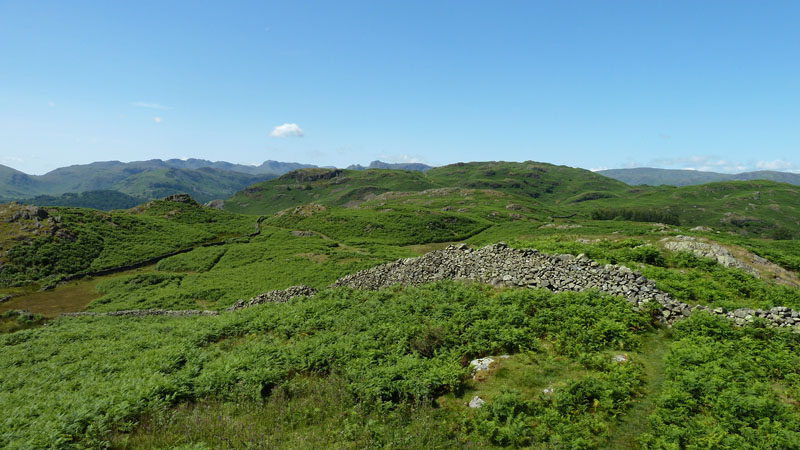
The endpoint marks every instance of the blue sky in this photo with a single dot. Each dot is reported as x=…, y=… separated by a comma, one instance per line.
x=711, y=85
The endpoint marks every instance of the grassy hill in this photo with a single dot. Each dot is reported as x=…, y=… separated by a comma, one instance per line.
x=754, y=208
x=332, y=187
x=51, y=243
x=335, y=187
x=674, y=177
x=390, y=369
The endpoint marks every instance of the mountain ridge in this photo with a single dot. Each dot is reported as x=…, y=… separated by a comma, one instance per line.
x=684, y=177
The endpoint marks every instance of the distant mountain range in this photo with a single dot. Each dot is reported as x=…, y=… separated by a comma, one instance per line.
x=676, y=177
x=144, y=180
x=396, y=166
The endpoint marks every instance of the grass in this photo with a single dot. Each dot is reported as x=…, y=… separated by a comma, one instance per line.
x=87, y=241
x=625, y=433
x=353, y=369
x=103, y=372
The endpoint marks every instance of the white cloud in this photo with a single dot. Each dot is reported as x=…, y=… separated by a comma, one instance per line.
x=777, y=164
x=11, y=159
x=407, y=159
x=151, y=105
x=702, y=163
x=51, y=103
x=597, y=169
x=287, y=130
x=157, y=119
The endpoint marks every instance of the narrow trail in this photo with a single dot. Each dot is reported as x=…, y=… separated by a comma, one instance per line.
x=623, y=435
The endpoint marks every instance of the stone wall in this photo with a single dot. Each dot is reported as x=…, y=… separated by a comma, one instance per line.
x=500, y=265
x=144, y=313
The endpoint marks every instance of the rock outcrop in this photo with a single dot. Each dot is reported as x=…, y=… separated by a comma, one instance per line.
x=707, y=250
x=216, y=204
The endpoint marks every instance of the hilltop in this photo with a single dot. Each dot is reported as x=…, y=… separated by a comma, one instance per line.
x=675, y=177
x=336, y=187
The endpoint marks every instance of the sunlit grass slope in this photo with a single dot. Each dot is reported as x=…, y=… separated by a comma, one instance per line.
x=88, y=240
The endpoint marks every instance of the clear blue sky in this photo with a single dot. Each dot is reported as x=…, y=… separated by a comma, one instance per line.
x=595, y=84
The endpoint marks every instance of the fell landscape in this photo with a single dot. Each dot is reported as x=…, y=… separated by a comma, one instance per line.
x=545, y=251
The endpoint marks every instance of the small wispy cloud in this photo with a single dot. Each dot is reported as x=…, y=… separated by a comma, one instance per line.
x=157, y=119
x=51, y=103
x=407, y=159
x=703, y=163
x=777, y=164
x=287, y=130
x=11, y=159
x=151, y=105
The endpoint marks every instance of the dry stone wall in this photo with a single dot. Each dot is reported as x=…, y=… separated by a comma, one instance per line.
x=277, y=296
x=503, y=266
x=145, y=313
x=500, y=265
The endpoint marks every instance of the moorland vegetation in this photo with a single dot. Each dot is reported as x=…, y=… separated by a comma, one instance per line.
x=391, y=368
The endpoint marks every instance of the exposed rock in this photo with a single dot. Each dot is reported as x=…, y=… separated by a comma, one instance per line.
x=303, y=210
x=548, y=390
x=702, y=228
x=4, y=298
x=216, y=204
x=180, y=198
x=621, y=358
x=27, y=212
x=302, y=233
x=480, y=364
x=476, y=402
x=561, y=227
x=707, y=250
x=310, y=175
x=277, y=296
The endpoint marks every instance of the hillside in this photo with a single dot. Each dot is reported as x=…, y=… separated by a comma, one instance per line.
x=149, y=179
x=545, y=182
x=674, y=177
x=46, y=244
x=202, y=184
x=333, y=187
x=754, y=208
x=478, y=305
x=102, y=200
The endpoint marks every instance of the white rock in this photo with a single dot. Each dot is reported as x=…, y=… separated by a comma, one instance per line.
x=480, y=364
x=476, y=402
